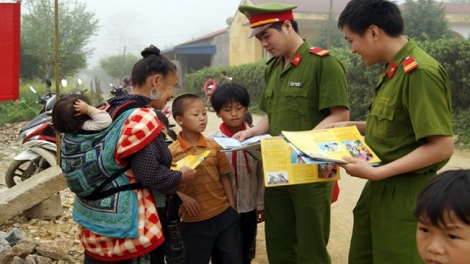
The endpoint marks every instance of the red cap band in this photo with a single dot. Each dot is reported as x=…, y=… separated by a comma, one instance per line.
x=269, y=18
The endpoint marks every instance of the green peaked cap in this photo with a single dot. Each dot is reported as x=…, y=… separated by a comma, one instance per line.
x=251, y=10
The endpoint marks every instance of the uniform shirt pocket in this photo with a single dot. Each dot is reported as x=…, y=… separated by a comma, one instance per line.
x=382, y=125
x=296, y=101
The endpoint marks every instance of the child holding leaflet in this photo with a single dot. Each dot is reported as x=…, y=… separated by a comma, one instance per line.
x=208, y=213
x=230, y=102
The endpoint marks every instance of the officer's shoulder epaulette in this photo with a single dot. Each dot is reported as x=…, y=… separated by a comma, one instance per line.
x=409, y=64
x=319, y=52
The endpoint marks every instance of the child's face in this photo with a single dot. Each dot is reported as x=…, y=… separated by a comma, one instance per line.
x=441, y=245
x=233, y=115
x=194, y=117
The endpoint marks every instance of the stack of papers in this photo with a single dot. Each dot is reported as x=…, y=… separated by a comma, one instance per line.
x=251, y=145
x=232, y=144
x=330, y=145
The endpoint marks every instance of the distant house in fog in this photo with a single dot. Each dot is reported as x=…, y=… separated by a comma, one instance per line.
x=207, y=51
x=458, y=17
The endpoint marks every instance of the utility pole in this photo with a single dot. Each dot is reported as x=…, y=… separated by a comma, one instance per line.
x=56, y=69
x=328, y=28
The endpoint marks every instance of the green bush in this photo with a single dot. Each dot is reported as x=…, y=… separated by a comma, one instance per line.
x=461, y=126
x=454, y=55
x=361, y=81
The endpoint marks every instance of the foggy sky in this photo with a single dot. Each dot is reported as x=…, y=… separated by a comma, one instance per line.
x=135, y=24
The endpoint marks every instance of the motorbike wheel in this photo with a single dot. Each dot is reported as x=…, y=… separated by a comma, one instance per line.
x=209, y=105
x=21, y=170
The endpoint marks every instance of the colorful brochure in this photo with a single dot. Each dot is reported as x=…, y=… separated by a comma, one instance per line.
x=330, y=145
x=283, y=166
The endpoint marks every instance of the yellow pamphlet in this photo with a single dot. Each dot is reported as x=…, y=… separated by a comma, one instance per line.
x=191, y=161
x=283, y=166
x=330, y=145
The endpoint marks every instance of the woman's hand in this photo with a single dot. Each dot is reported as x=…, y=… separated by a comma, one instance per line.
x=189, y=204
x=188, y=173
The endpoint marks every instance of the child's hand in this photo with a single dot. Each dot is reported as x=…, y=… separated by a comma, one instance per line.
x=189, y=204
x=188, y=173
x=242, y=135
x=81, y=107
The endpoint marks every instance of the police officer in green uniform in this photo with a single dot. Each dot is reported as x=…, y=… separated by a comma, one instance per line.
x=305, y=89
x=409, y=126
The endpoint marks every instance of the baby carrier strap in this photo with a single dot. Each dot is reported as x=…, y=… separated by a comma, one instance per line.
x=99, y=193
x=126, y=106
x=82, y=160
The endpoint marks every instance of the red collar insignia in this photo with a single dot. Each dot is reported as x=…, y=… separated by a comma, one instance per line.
x=392, y=69
x=296, y=60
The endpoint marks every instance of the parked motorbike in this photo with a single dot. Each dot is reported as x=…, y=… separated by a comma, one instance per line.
x=118, y=90
x=210, y=91
x=77, y=89
x=39, y=137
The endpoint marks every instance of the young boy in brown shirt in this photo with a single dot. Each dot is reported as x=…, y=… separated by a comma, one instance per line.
x=209, y=216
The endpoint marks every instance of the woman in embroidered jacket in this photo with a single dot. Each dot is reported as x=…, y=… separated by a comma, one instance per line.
x=140, y=145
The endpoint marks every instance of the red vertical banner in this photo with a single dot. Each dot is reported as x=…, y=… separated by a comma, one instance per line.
x=10, y=49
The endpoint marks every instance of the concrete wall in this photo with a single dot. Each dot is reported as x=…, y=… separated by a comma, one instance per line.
x=221, y=58
x=242, y=49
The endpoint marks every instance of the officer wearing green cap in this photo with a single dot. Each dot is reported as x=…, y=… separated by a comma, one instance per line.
x=305, y=89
